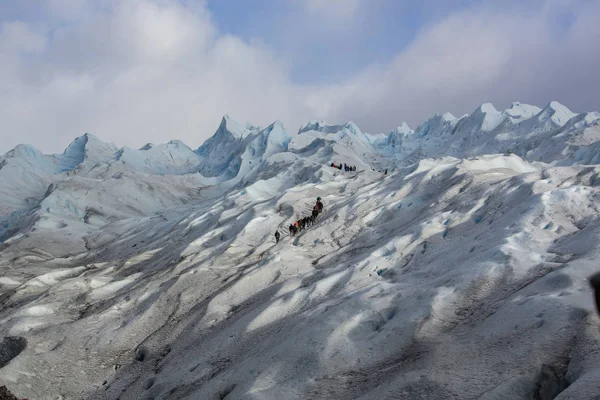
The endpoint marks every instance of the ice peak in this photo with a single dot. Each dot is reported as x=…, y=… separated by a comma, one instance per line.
x=487, y=108
x=324, y=127
x=486, y=117
x=277, y=124
x=313, y=125
x=556, y=112
x=404, y=128
x=231, y=126
x=276, y=128
x=23, y=151
x=519, y=112
x=447, y=117
x=352, y=127
x=555, y=105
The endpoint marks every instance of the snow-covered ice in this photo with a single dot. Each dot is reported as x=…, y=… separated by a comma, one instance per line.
x=461, y=273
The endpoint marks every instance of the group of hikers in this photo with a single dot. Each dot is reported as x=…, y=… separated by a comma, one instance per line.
x=303, y=222
x=346, y=167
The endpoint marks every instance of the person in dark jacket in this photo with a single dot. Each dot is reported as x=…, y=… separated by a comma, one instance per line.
x=277, y=236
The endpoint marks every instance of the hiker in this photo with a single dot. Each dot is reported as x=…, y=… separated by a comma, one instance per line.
x=292, y=228
x=340, y=167
x=277, y=236
x=319, y=205
x=385, y=172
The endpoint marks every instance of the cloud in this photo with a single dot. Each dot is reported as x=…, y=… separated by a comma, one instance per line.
x=142, y=71
x=341, y=10
x=17, y=37
x=471, y=57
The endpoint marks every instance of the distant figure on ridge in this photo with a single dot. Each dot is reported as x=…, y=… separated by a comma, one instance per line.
x=277, y=236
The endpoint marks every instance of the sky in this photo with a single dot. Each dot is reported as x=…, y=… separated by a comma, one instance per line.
x=139, y=71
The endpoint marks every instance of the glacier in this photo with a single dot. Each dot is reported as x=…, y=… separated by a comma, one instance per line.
x=462, y=272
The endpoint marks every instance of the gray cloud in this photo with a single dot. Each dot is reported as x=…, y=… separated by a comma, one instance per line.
x=151, y=70
x=474, y=57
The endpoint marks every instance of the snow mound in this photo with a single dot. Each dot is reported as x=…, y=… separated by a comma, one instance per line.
x=557, y=113
x=171, y=158
x=519, y=112
x=86, y=148
x=404, y=129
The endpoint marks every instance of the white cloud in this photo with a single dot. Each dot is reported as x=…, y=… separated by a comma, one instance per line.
x=469, y=58
x=142, y=71
x=17, y=37
x=342, y=10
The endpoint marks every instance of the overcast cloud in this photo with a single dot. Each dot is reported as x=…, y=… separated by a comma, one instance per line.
x=140, y=71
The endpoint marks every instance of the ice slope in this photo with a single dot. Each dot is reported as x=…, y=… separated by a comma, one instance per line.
x=337, y=144
x=153, y=273
x=412, y=285
x=86, y=149
x=24, y=175
x=28, y=174
x=173, y=158
x=25, y=172
x=552, y=135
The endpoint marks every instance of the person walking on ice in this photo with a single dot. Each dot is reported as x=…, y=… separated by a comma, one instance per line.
x=319, y=205
x=277, y=236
